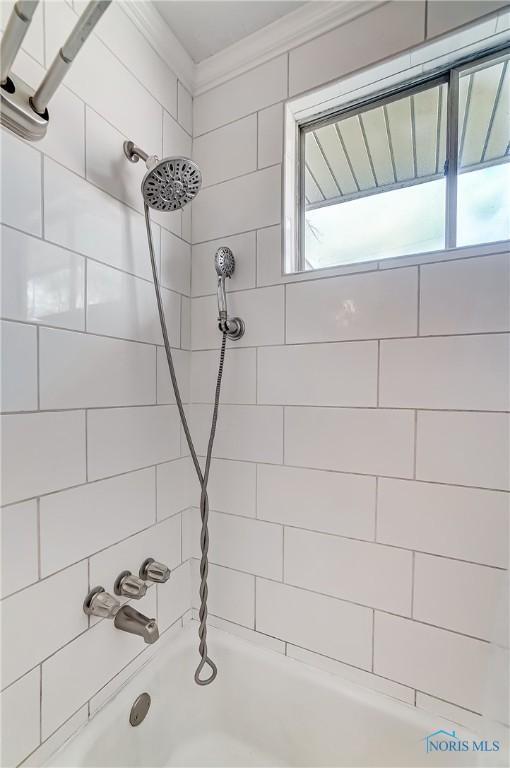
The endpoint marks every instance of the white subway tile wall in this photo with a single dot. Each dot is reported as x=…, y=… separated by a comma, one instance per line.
x=19, y=538
x=92, y=479
x=364, y=417
x=21, y=735
x=362, y=451
x=239, y=139
x=448, y=665
x=19, y=367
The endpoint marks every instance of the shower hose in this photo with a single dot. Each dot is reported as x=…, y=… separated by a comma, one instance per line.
x=202, y=478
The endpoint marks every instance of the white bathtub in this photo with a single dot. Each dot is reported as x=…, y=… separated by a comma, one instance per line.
x=264, y=709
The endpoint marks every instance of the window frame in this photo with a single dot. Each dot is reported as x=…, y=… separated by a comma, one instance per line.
x=450, y=75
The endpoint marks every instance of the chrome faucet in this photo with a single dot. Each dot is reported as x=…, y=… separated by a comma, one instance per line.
x=102, y=604
x=130, y=620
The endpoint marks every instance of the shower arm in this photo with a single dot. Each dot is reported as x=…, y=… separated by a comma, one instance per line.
x=67, y=54
x=134, y=154
x=14, y=34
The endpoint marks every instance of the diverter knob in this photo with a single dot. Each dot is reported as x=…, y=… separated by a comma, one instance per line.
x=129, y=585
x=150, y=570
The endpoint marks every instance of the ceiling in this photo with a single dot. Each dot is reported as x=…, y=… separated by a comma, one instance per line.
x=206, y=27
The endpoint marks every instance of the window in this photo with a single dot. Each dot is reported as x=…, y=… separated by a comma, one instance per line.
x=420, y=169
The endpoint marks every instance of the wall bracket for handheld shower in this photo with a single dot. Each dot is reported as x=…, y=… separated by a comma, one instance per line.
x=233, y=327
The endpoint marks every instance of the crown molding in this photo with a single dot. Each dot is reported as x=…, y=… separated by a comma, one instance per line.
x=295, y=28
x=163, y=40
x=300, y=26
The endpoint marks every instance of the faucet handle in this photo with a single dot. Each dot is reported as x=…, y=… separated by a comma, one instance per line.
x=150, y=570
x=129, y=585
x=100, y=603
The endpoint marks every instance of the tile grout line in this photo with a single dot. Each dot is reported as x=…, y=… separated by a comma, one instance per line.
x=378, y=375
x=102, y=190
x=283, y=554
x=283, y=435
x=346, y=272
x=85, y=294
x=38, y=364
x=38, y=528
x=439, y=483
x=230, y=180
x=43, y=226
x=369, y=542
x=418, y=302
x=86, y=446
x=86, y=558
x=351, y=472
x=93, y=481
x=347, y=664
x=88, y=702
x=68, y=250
x=415, y=444
x=385, y=612
x=40, y=703
x=376, y=507
x=181, y=514
x=413, y=569
x=285, y=313
x=156, y=494
x=273, y=406
x=156, y=388
x=85, y=141
x=238, y=119
x=71, y=329
x=373, y=639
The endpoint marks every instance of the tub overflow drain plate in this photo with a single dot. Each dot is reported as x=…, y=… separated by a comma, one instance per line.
x=139, y=709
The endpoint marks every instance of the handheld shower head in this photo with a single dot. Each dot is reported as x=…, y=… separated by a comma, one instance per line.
x=224, y=262
x=170, y=183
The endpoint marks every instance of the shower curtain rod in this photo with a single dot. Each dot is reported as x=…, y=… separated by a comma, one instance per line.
x=24, y=111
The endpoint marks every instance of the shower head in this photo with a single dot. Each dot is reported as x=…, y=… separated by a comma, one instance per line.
x=224, y=262
x=169, y=184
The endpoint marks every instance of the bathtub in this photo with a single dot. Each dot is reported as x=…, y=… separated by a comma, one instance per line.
x=264, y=709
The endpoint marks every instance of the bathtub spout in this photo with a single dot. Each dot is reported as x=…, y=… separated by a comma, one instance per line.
x=129, y=620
